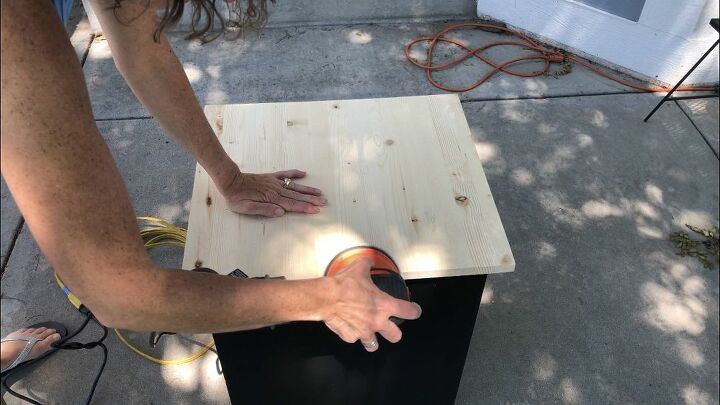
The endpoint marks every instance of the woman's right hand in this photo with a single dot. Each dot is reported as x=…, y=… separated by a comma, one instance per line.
x=361, y=309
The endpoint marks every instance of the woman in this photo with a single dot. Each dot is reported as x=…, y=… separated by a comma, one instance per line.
x=74, y=202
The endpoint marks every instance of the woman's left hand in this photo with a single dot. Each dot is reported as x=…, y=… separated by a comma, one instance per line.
x=267, y=195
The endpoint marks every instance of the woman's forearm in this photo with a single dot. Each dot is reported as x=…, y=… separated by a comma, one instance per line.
x=187, y=302
x=158, y=80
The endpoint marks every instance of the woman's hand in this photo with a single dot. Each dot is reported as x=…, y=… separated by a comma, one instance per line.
x=361, y=309
x=266, y=194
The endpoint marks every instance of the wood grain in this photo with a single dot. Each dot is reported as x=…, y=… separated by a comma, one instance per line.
x=400, y=173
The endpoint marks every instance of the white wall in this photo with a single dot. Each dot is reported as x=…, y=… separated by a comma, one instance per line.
x=667, y=40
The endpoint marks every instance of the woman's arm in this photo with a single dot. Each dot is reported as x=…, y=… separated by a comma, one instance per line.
x=158, y=80
x=72, y=196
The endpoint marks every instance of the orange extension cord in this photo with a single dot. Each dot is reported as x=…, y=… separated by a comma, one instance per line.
x=548, y=56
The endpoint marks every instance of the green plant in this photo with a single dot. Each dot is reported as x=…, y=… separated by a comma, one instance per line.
x=703, y=249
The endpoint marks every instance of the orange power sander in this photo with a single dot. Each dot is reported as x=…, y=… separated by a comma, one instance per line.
x=384, y=272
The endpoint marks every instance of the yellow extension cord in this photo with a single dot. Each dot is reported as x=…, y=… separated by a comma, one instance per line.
x=160, y=233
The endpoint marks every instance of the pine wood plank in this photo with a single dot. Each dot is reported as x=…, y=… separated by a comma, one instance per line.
x=400, y=173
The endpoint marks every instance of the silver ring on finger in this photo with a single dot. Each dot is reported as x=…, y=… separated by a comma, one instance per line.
x=371, y=344
x=287, y=183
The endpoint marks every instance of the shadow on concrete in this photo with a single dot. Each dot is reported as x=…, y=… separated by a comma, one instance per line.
x=325, y=63
x=599, y=309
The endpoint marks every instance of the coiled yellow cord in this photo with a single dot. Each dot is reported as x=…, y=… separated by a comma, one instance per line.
x=165, y=362
x=162, y=233
x=159, y=233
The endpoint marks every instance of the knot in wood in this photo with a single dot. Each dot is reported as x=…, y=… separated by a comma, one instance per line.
x=219, y=123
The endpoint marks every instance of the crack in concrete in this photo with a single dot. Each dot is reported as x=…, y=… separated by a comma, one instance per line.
x=142, y=117
x=87, y=50
x=288, y=35
x=355, y=22
x=468, y=100
x=22, y=301
x=611, y=93
x=16, y=234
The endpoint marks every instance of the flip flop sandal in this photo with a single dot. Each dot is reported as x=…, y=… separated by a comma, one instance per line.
x=31, y=341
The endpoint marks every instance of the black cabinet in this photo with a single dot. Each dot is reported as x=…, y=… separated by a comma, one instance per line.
x=305, y=363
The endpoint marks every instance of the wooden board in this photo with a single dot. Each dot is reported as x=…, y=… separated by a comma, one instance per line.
x=399, y=173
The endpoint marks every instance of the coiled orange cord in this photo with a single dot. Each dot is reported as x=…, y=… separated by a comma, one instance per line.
x=547, y=56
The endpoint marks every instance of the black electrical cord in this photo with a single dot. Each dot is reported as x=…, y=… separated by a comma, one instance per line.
x=64, y=344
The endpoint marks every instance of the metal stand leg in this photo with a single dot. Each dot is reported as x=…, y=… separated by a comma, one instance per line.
x=667, y=96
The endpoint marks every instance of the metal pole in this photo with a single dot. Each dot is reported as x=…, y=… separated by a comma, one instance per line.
x=667, y=96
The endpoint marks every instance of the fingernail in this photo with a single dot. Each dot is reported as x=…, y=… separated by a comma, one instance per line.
x=55, y=336
x=419, y=309
x=314, y=210
x=279, y=212
x=323, y=200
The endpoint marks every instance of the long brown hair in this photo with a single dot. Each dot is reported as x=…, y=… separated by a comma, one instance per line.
x=209, y=22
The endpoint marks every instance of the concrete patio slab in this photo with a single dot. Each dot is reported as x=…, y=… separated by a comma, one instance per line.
x=599, y=309
x=159, y=178
x=326, y=62
x=157, y=172
x=705, y=113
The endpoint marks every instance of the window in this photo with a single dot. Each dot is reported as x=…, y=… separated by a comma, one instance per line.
x=629, y=9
